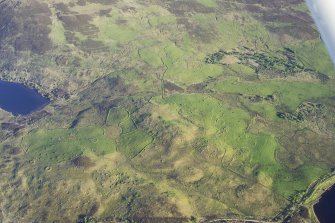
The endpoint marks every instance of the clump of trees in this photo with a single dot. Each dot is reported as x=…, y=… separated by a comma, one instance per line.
x=304, y=111
x=283, y=62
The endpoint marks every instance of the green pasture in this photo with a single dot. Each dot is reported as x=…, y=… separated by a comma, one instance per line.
x=226, y=127
x=208, y=3
x=290, y=93
x=132, y=143
x=57, y=145
x=314, y=54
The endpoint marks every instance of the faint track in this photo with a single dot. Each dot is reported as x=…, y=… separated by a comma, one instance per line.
x=235, y=220
x=162, y=77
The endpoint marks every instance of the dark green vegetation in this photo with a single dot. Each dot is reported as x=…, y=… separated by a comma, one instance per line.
x=170, y=110
x=281, y=63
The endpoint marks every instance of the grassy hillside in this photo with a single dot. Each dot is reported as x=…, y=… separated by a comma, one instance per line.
x=179, y=111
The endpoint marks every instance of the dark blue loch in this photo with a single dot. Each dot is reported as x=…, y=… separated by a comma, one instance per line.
x=325, y=208
x=19, y=99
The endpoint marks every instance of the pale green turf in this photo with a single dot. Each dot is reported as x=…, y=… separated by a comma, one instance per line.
x=57, y=31
x=53, y=146
x=290, y=93
x=208, y=3
x=227, y=127
x=314, y=55
x=132, y=143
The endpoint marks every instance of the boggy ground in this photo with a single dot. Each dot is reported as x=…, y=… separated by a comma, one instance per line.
x=164, y=111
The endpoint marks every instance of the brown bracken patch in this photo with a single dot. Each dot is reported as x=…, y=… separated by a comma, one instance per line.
x=172, y=87
x=11, y=150
x=291, y=22
x=184, y=8
x=33, y=32
x=82, y=162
